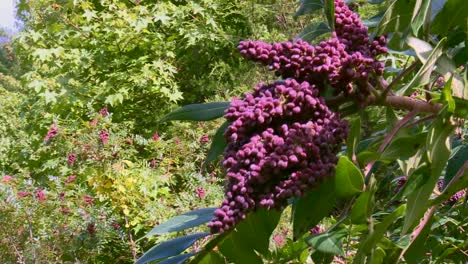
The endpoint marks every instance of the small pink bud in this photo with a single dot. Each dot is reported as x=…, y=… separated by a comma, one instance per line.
x=94, y=122
x=204, y=139
x=156, y=136
x=104, y=112
x=71, y=159
x=22, y=194
x=200, y=193
x=104, y=135
x=70, y=179
x=52, y=132
x=7, y=178
x=40, y=195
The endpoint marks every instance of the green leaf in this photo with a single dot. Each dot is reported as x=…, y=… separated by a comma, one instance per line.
x=329, y=242
x=421, y=15
x=379, y=231
x=178, y=259
x=455, y=185
x=250, y=236
x=396, y=18
x=453, y=14
x=312, y=31
x=353, y=138
x=422, y=77
x=413, y=182
x=457, y=158
x=403, y=147
x=184, y=221
x=360, y=209
x=198, y=112
x=308, y=6
x=309, y=210
x=218, y=144
x=348, y=178
x=438, y=151
x=170, y=248
x=329, y=9
x=375, y=1
x=212, y=258
x=416, y=249
x=447, y=95
x=445, y=66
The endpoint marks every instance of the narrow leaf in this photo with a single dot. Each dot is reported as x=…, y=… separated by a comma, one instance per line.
x=421, y=15
x=329, y=9
x=177, y=259
x=312, y=31
x=218, y=144
x=447, y=95
x=353, y=138
x=457, y=158
x=198, y=112
x=422, y=77
x=170, y=248
x=396, y=18
x=379, y=231
x=308, y=6
x=183, y=221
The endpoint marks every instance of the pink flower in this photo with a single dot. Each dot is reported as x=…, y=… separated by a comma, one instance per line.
x=7, y=178
x=156, y=136
x=22, y=194
x=115, y=225
x=40, y=195
x=71, y=159
x=94, y=122
x=279, y=240
x=91, y=229
x=200, y=192
x=65, y=210
x=316, y=230
x=177, y=140
x=88, y=200
x=104, y=135
x=104, y=112
x=62, y=196
x=153, y=163
x=53, y=132
x=204, y=139
x=70, y=179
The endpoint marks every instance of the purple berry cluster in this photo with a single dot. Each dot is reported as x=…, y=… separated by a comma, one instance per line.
x=454, y=198
x=282, y=142
x=345, y=61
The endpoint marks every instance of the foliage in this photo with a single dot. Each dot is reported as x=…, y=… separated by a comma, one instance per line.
x=391, y=199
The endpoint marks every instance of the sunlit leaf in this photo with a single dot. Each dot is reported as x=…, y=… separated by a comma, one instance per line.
x=170, y=248
x=198, y=112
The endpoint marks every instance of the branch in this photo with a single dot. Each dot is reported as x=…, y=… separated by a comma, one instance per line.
x=398, y=78
x=389, y=137
x=407, y=103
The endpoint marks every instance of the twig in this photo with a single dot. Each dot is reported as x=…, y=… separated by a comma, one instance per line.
x=417, y=231
x=132, y=243
x=389, y=137
x=424, y=119
x=398, y=78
